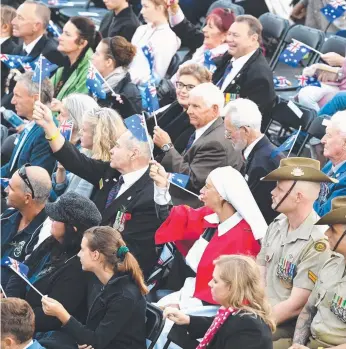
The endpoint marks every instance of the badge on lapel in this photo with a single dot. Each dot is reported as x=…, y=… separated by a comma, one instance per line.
x=101, y=184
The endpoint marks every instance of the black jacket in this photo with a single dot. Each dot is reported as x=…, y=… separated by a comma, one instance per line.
x=18, y=244
x=123, y=24
x=132, y=100
x=138, y=200
x=254, y=81
x=240, y=331
x=7, y=47
x=116, y=318
x=67, y=284
x=259, y=163
x=45, y=46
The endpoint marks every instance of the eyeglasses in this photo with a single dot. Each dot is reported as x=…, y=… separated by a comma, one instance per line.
x=179, y=85
x=24, y=177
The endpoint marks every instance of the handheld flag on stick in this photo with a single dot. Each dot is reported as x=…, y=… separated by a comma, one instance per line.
x=20, y=269
x=155, y=119
x=334, y=10
x=94, y=83
x=14, y=61
x=53, y=29
x=294, y=141
x=66, y=129
x=136, y=126
x=178, y=179
x=294, y=53
x=144, y=121
x=188, y=191
x=287, y=145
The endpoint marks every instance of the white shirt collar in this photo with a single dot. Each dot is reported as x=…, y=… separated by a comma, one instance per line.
x=337, y=167
x=2, y=40
x=236, y=62
x=30, y=125
x=249, y=148
x=225, y=226
x=201, y=130
x=29, y=47
x=132, y=177
x=29, y=344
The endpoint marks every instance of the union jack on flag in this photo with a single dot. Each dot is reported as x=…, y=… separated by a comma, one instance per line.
x=281, y=81
x=294, y=53
x=94, y=83
x=304, y=81
x=66, y=129
x=14, y=61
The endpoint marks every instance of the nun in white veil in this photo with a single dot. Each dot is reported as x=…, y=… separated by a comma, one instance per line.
x=239, y=223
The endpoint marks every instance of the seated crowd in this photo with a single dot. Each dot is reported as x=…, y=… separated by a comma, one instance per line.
x=156, y=186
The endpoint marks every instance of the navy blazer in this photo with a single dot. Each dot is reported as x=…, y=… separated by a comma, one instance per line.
x=329, y=191
x=35, y=150
x=259, y=163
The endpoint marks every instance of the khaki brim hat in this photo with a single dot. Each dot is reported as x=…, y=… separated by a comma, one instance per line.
x=299, y=169
x=337, y=214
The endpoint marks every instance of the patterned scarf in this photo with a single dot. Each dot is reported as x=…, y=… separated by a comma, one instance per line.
x=220, y=318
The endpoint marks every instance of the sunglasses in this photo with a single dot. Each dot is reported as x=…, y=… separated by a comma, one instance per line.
x=24, y=177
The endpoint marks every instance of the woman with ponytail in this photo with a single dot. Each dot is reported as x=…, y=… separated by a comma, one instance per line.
x=116, y=316
x=78, y=41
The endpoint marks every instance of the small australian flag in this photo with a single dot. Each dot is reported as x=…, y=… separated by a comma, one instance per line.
x=293, y=53
x=209, y=62
x=47, y=68
x=21, y=268
x=66, y=129
x=14, y=61
x=179, y=179
x=94, y=83
x=53, y=29
x=334, y=10
x=136, y=125
x=304, y=81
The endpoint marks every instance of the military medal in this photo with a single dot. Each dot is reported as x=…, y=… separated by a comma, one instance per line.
x=120, y=219
x=338, y=307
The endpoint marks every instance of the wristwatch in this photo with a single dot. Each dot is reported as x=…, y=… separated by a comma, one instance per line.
x=340, y=75
x=167, y=147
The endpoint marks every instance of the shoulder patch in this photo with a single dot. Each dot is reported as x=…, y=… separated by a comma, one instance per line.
x=312, y=276
x=320, y=246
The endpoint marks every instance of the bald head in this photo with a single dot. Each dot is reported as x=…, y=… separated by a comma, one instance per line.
x=40, y=182
x=31, y=21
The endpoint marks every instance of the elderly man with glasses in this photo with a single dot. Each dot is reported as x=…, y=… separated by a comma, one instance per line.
x=27, y=193
x=206, y=148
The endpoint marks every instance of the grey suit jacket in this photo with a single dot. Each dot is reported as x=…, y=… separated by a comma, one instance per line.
x=208, y=152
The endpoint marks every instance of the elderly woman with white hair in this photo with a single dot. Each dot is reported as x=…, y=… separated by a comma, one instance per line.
x=334, y=142
x=229, y=223
x=207, y=147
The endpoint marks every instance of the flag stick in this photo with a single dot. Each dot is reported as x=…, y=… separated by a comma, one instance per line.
x=107, y=84
x=155, y=119
x=309, y=47
x=27, y=281
x=52, y=24
x=40, y=80
x=295, y=140
x=2, y=291
x=148, y=137
x=188, y=191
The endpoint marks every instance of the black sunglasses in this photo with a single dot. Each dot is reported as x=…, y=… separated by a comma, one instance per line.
x=24, y=177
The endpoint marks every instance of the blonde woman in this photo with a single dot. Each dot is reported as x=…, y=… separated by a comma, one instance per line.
x=100, y=129
x=244, y=319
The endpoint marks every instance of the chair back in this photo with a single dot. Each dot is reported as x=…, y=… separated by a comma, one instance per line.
x=154, y=323
x=318, y=126
x=237, y=9
x=274, y=30
x=335, y=44
x=173, y=66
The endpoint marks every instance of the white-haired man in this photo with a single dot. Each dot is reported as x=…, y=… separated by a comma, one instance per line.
x=334, y=142
x=123, y=191
x=207, y=147
x=29, y=25
x=243, y=127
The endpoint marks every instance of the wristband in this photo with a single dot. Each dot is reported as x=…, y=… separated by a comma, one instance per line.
x=55, y=136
